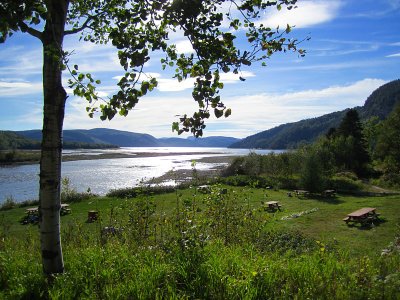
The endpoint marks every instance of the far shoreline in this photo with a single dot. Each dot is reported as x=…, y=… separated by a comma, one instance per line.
x=33, y=156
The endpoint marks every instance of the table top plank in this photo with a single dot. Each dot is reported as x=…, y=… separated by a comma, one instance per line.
x=362, y=211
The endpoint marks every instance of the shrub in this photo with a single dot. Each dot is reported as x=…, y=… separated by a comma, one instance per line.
x=8, y=204
x=133, y=192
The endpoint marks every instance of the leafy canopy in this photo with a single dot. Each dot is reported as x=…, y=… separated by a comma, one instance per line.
x=138, y=29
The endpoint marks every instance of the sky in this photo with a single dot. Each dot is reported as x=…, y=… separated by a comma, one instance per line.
x=354, y=48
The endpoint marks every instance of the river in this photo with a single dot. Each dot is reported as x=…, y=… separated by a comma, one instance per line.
x=102, y=175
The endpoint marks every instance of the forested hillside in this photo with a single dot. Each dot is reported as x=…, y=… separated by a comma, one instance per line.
x=106, y=138
x=10, y=140
x=380, y=103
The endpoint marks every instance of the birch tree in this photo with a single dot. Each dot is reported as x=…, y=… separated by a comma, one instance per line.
x=137, y=29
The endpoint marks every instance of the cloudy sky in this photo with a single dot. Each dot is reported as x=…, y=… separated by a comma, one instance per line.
x=354, y=49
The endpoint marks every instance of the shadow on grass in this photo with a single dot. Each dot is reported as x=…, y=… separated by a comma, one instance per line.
x=369, y=226
x=329, y=200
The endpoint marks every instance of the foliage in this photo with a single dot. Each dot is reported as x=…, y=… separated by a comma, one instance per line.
x=19, y=156
x=349, y=146
x=70, y=194
x=312, y=177
x=388, y=145
x=8, y=204
x=11, y=140
x=138, y=191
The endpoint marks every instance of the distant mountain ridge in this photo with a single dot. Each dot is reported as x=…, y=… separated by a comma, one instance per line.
x=380, y=103
x=121, y=138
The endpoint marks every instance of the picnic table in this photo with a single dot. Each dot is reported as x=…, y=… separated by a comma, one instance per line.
x=32, y=211
x=272, y=205
x=365, y=215
x=65, y=209
x=329, y=193
x=93, y=215
x=32, y=216
x=301, y=193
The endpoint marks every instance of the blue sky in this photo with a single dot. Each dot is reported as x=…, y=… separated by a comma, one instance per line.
x=354, y=49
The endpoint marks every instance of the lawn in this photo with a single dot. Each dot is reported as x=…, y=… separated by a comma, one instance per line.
x=187, y=245
x=324, y=224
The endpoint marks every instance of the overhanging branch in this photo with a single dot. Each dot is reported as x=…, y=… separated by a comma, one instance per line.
x=30, y=30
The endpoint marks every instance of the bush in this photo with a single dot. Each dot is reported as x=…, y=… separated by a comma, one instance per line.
x=8, y=204
x=133, y=192
x=245, y=180
x=346, y=182
x=69, y=194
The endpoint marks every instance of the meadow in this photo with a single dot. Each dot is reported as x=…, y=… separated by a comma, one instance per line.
x=220, y=245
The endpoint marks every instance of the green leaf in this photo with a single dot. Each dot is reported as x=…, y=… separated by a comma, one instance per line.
x=175, y=126
x=218, y=113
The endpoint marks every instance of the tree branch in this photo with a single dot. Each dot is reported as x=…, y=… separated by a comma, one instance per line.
x=79, y=29
x=31, y=31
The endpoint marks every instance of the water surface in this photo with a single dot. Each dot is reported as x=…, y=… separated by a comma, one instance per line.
x=102, y=175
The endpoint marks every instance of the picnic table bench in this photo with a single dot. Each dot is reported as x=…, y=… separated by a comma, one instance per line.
x=365, y=215
x=272, y=205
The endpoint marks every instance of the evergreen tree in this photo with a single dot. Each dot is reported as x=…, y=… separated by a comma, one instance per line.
x=351, y=130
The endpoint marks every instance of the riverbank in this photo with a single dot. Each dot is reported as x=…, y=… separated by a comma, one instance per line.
x=21, y=157
x=185, y=175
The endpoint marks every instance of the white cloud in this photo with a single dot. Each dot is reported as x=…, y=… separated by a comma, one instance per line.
x=250, y=113
x=173, y=85
x=393, y=55
x=307, y=14
x=15, y=88
x=184, y=46
x=234, y=78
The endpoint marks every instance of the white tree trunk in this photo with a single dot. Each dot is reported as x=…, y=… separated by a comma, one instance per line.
x=53, y=117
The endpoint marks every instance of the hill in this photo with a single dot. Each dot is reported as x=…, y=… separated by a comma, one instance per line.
x=380, y=103
x=111, y=137
x=212, y=141
x=31, y=141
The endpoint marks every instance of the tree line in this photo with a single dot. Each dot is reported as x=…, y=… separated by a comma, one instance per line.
x=368, y=150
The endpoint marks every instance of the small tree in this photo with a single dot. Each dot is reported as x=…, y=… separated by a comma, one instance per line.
x=312, y=173
x=136, y=28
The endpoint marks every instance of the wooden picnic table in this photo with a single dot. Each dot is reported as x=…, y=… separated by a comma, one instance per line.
x=272, y=205
x=363, y=215
x=32, y=211
x=301, y=193
x=65, y=209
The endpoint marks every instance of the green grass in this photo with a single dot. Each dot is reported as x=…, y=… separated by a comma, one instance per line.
x=325, y=224
x=188, y=245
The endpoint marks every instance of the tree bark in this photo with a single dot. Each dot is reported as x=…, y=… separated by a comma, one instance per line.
x=53, y=117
